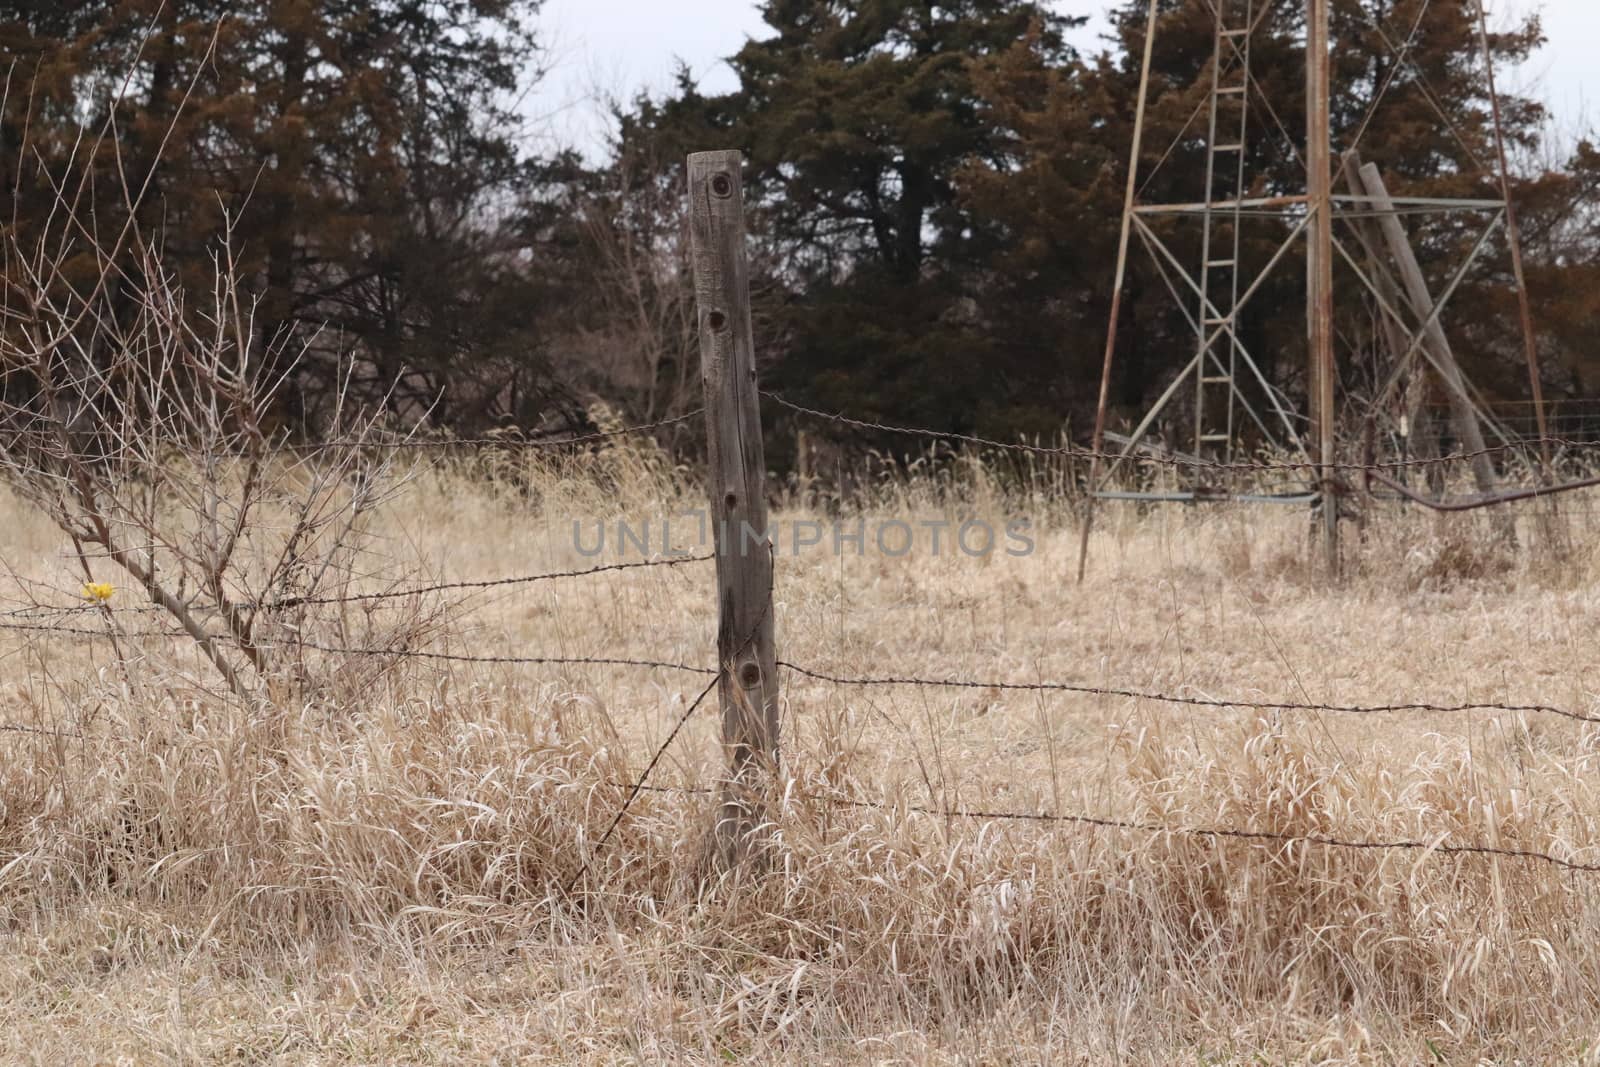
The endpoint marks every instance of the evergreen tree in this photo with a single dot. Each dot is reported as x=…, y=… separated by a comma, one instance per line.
x=1424, y=121
x=859, y=119
x=366, y=150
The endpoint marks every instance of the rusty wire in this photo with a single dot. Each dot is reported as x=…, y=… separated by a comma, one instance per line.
x=452, y=657
x=55, y=611
x=677, y=728
x=1214, y=832
x=1191, y=462
x=506, y=441
x=642, y=784
x=1190, y=701
x=884, y=681
x=84, y=631
x=490, y=583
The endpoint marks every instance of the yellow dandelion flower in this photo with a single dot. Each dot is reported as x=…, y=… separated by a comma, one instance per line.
x=98, y=591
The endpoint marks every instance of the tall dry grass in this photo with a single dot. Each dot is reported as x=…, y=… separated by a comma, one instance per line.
x=372, y=870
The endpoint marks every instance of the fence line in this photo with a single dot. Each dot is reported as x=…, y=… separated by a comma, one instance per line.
x=1439, y=845
x=390, y=652
x=1188, y=462
x=452, y=657
x=25, y=728
x=84, y=631
x=24, y=620
x=49, y=611
x=417, y=444
x=490, y=583
x=1172, y=698
x=502, y=441
x=1066, y=451
x=867, y=681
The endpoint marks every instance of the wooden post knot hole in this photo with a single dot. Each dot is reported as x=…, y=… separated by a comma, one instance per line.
x=716, y=320
x=721, y=186
x=750, y=675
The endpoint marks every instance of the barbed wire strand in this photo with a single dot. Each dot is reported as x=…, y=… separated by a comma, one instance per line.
x=375, y=650
x=640, y=785
x=1190, y=701
x=1439, y=846
x=500, y=441
x=49, y=611
x=46, y=611
x=490, y=583
x=25, y=728
x=1191, y=462
x=661, y=749
x=508, y=441
x=1153, y=696
x=85, y=631
x=453, y=657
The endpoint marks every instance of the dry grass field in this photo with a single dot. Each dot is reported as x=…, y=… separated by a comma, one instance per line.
x=370, y=870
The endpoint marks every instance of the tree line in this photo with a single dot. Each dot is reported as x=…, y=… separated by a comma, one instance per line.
x=934, y=193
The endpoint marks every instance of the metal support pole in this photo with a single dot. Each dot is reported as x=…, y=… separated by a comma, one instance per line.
x=1387, y=292
x=1116, y=289
x=1319, y=266
x=1433, y=339
x=1530, y=344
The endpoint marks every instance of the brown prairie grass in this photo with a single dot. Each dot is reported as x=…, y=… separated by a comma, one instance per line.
x=374, y=873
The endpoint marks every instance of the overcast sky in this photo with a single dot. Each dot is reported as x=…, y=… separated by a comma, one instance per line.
x=621, y=46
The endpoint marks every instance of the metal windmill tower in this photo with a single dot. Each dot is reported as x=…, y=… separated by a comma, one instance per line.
x=1215, y=289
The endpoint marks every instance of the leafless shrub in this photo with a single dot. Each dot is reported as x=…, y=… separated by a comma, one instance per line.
x=145, y=428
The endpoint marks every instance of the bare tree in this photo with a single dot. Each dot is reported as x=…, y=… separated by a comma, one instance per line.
x=639, y=346
x=145, y=429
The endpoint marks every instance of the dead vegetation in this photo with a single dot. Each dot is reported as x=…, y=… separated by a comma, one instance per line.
x=373, y=871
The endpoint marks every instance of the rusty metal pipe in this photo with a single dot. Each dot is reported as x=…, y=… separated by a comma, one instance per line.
x=1116, y=292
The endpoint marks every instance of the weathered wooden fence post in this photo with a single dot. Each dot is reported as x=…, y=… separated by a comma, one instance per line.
x=736, y=481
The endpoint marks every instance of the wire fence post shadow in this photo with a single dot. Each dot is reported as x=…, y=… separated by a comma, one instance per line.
x=736, y=481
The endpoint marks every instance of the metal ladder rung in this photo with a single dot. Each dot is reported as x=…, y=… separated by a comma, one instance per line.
x=1230, y=110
